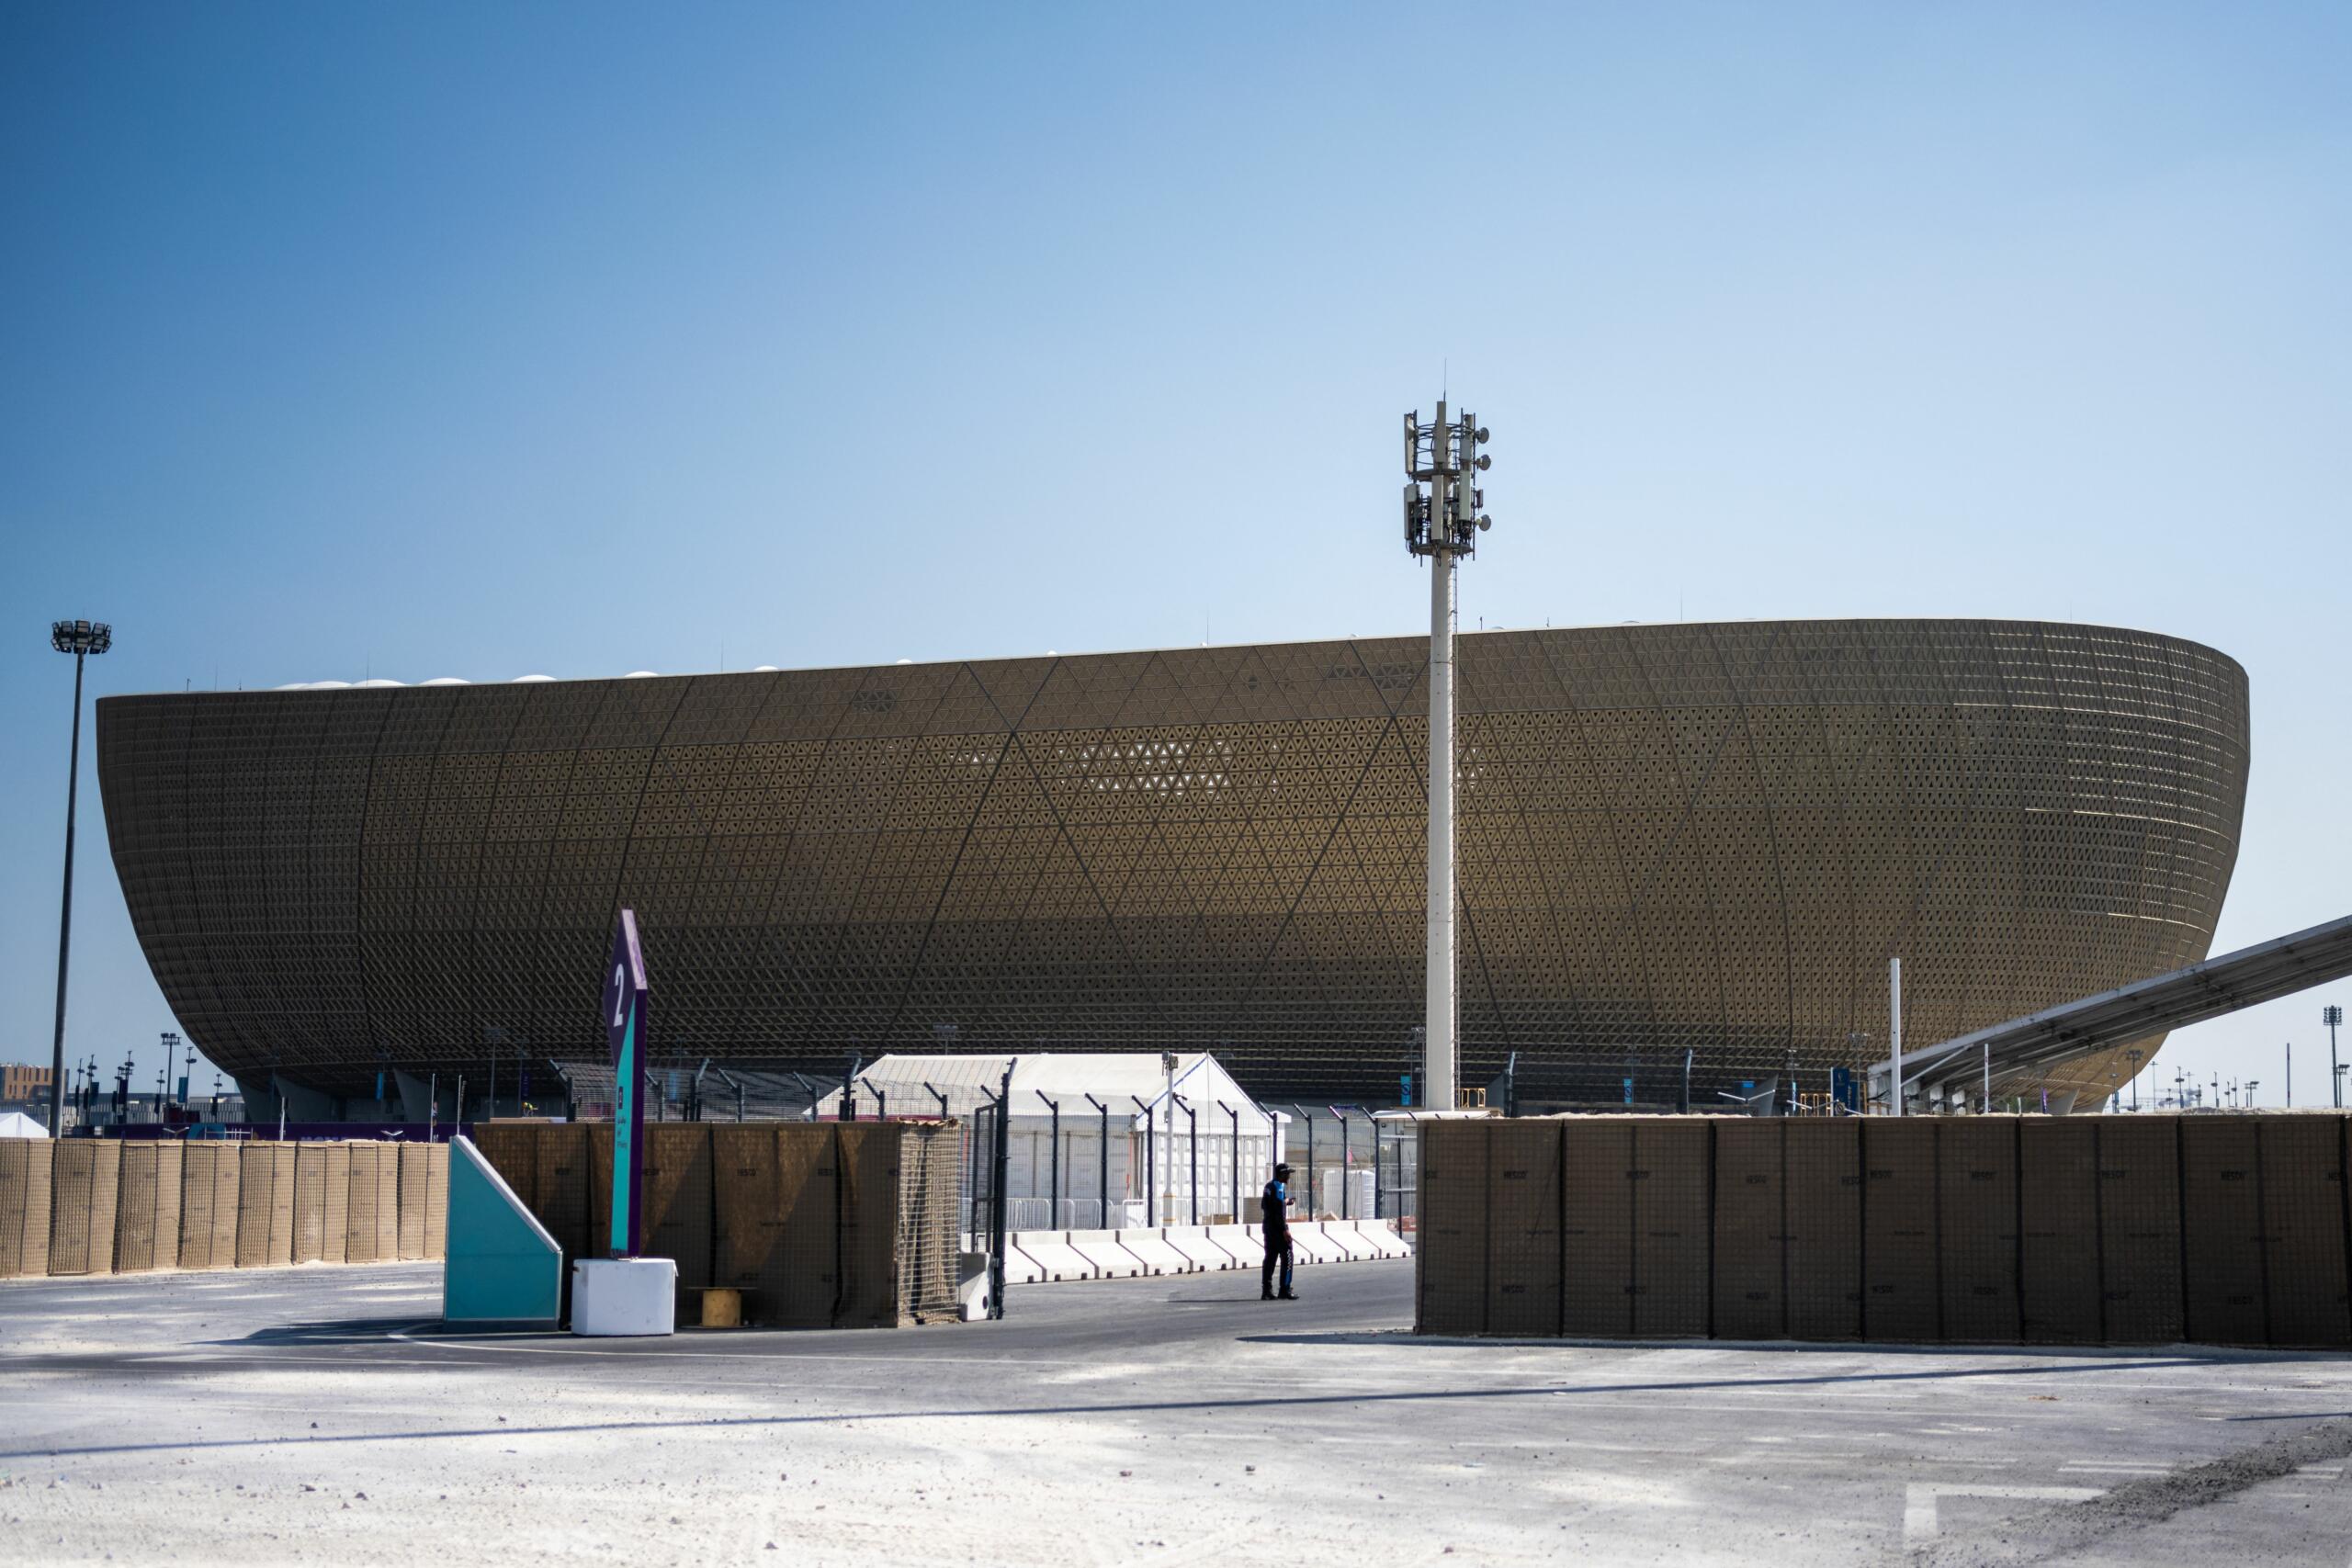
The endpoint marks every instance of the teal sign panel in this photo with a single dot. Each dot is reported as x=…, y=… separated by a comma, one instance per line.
x=501, y=1266
x=624, y=1000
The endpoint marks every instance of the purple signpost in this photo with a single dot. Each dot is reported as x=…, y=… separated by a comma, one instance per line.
x=625, y=999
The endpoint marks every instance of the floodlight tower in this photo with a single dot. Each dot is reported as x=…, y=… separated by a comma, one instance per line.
x=1442, y=521
x=80, y=638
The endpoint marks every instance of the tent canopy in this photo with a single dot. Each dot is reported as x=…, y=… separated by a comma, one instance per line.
x=1134, y=1086
x=17, y=1124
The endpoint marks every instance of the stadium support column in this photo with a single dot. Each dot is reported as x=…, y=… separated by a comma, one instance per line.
x=1441, y=521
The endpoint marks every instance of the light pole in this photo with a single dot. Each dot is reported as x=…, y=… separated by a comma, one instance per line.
x=1442, y=521
x=2329, y=1016
x=2135, y=1054
x=1895, y=1026
x=2251, y=1085
x=80, y=638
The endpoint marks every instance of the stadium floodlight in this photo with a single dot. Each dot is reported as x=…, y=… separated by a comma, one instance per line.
x=1443, y=518
x=80, y=638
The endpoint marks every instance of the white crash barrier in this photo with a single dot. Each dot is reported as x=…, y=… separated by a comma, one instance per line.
x=1052, y=1253
x=1034, y=1256
x=1151, y=1249
x=1257, y=1247
x=1197, y=1248
x=1240, y=1242
x=1102, y=1248
x=1299, y=1255
x=1019, y=1270
x=1312, y=1245
x=1355, y=1242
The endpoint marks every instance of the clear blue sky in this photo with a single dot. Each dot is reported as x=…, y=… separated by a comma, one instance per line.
x=476, y=340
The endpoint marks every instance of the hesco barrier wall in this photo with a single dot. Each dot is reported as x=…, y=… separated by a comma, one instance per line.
x=83, y=1182
x=265, y=1206
x=103, y=1205
x=820, y=1224
x=25, y=1167
x=147, y=1208
x=208, y=1173
x=2000, y=1230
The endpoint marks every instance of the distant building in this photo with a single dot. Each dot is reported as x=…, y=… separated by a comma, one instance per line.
x=21, y=1083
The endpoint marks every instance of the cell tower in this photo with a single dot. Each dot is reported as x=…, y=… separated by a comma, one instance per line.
x=1443, y=516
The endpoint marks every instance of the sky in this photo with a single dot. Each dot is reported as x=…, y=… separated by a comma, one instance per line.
x=483, y=341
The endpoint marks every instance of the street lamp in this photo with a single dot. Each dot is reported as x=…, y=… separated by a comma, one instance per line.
x=1442, y=521
x=2332, y=1015
x=80, y=638
x=2134, y=1054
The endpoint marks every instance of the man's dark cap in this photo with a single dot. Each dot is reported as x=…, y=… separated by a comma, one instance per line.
x=1282, y=1171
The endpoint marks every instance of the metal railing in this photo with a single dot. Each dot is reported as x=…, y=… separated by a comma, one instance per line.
x=1073, y=1215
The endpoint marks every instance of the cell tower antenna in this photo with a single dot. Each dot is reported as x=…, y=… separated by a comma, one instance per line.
x=1443, y=518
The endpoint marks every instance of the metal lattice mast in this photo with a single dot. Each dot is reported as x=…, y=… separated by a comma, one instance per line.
x=1442, y=519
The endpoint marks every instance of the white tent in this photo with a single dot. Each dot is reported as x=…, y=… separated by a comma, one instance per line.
x=1099, y=1140
x=17, y=1124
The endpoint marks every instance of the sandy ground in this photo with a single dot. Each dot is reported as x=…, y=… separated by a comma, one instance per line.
x=318, y=1415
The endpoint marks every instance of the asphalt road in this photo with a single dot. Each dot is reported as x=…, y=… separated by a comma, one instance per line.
x=320, y=1414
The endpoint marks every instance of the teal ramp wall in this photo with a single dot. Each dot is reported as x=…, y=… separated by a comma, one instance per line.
x=501, y=1266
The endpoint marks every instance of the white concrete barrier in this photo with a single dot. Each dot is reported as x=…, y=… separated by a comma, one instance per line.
x=1053, y=1255
x=1151, y=1249
x=1309, y=1245
x=1034, y=1256
x=1197, y=1248
x=1299, y=1255
x=1350, y=1239
x=1102, y=1248
x=1241, y=1241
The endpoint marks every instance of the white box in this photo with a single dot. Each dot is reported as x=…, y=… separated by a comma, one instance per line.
x=624, y=1296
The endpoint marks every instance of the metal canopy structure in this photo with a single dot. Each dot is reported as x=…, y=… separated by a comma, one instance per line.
x=2038, y=1041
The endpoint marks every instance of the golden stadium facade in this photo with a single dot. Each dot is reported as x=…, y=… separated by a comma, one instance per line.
x=1702, y=836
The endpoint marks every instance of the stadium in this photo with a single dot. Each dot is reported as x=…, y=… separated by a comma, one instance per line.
x=1701, y=839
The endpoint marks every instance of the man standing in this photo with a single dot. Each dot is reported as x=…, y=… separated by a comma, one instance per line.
x=1273, y=1221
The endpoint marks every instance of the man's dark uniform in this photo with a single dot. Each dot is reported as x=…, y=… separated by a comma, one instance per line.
x=1274, y=1220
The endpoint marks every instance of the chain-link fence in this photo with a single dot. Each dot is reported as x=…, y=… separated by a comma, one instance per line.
x=698, y=1090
